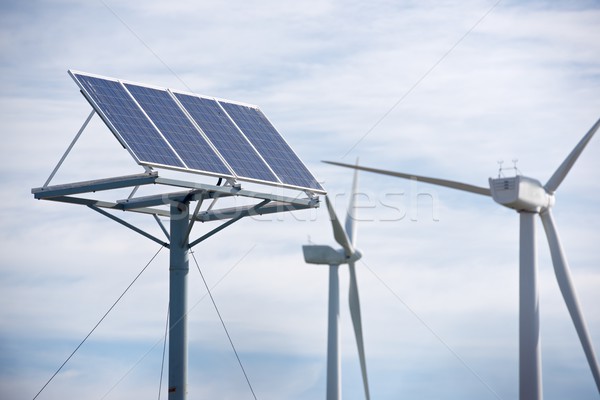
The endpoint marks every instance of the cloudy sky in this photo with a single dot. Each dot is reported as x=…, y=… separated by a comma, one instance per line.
x=439, y=88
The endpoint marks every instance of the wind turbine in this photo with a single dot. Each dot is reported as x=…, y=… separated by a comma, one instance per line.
x=529, y=197
x=326, y=255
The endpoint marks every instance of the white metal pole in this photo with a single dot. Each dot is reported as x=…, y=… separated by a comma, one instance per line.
x=333, y=337
x=530, y=372
x=178, y=273
x=62, y=159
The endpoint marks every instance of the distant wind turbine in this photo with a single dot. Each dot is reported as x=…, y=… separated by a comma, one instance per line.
x=326, y=255
x=529, y=197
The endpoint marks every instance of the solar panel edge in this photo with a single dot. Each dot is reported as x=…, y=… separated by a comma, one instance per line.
x=318, y=189
x=293, y=151
x=217, y=99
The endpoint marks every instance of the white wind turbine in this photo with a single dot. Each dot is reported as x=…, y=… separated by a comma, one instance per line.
x=529, y=197
x=326, y=255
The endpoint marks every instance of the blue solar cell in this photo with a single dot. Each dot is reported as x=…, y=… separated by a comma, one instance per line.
x=178, y=129
x=130, y=123
x=269, y=143
x=223, y=134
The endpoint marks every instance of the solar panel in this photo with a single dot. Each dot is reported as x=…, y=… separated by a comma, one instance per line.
x=269, y=143
x=177, y=129
x=127, y=121
x=223, y=134
x=194, y=133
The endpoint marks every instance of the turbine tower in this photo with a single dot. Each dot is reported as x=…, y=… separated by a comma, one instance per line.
x=529, y=197
x=326, y=255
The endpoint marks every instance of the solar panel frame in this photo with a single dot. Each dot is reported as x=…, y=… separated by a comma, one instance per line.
x=108, y=120
x=184, y=167
x=173, y=140
x=219, y=149
x=307, y=174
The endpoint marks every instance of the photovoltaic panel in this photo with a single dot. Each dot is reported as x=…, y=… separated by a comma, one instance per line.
x=269, y=143
x=216, y=125
x=127, y=121
x=179, y=131
x=192, y=133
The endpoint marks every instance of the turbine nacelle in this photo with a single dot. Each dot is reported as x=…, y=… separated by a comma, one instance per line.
x=521, y=193
x=327, y=255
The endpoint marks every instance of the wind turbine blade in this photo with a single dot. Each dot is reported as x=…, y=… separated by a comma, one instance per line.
x=435, y=181
x=338, y=232
x=563, y=276
x=351, y=214
x=356, y=321
x=562, y=171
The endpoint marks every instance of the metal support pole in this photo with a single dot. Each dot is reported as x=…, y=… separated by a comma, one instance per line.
x=333, y=337
x=530, y=365
x=127, y=224
x=178, y=273
x=62, y=159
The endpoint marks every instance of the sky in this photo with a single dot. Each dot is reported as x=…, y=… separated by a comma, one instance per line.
x=435, y=88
